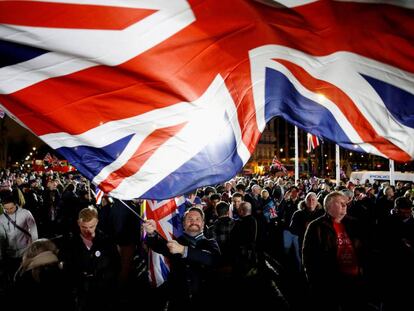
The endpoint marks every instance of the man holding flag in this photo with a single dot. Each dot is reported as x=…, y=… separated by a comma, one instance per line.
x=191, y=257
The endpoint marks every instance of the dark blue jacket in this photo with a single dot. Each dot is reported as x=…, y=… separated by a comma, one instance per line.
x=189, y=277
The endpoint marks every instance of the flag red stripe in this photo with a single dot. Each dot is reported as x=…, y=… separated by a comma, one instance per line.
x=92, y=93
x=315, y=141
x=65, y=15
x=150, y=144
x=348, y=109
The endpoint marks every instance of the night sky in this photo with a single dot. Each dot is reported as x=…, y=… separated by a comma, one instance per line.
x=17, y=142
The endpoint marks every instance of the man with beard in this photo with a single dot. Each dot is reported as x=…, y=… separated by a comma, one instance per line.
x=191, y=258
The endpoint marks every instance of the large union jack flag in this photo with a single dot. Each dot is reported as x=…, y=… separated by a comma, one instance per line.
x=152, y=98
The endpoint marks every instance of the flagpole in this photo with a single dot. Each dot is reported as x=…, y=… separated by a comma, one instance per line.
x=89, y=189
x=392, y=177
x=296, y=155
x=134, y=212
x=322, y=164
x=337, y=165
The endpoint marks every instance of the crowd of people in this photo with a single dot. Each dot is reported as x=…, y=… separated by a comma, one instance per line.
x=250, y=242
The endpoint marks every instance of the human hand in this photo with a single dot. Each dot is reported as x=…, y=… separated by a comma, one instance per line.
x=175, y=247
x=149, y=226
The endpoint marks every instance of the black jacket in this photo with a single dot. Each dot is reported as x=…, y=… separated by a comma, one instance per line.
x=189, y=277
x=49, y=292
x=93, y=272
x=320, y=250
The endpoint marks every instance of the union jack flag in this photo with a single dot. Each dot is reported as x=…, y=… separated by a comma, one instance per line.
x=313, y=142
x=99, y=195
x=48, y=158
x=277, y=165
x=52, y=160
x=154, y=98
x=168, y=215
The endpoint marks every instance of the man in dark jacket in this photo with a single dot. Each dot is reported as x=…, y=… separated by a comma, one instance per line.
x=332, y=257
x=191, y=258
x=93, y=263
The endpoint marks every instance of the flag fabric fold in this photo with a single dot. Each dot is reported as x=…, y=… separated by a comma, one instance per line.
x=169, y=97
x=168, y=217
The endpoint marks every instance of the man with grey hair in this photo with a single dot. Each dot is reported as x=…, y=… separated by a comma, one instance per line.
x=349, y=194
x=332, y=257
